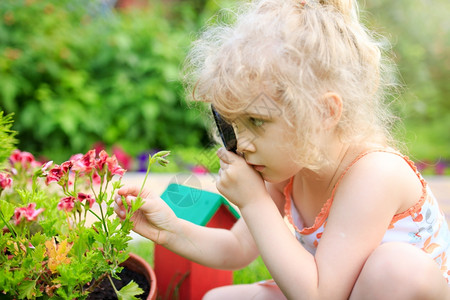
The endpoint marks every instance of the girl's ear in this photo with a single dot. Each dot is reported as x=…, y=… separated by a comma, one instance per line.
x=333, y=109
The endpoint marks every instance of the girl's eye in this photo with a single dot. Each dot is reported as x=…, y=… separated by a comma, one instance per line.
x=256, y=122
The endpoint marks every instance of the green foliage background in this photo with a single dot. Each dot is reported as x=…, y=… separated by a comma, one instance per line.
x=75, y=73
x=419, y=32
x=7, y=138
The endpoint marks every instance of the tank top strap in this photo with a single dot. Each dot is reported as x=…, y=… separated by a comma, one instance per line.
x=361, y=155
x=321, y=218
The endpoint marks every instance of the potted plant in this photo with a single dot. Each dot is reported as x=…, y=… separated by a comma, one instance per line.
x=47, y=247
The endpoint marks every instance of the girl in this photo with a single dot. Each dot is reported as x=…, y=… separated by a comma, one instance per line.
x=304, y=83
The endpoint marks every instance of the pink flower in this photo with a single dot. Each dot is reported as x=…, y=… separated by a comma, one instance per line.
x=29, y=213
x=58, y=172
x=198, y=169
x=66, y=166
x=76, y=157
x=55, y=174
x=88, y=198
x=98, y=147
x=66, y=203
x=15, y=156
x=86, y=163
x=22, y=157
x=101, y=160
x=113, y=166
x=5, y=181
x=123, y=158
x=47, y=165
x=96, y=179
x=26, y=159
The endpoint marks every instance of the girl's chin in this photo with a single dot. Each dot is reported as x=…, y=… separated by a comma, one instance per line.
x=276, y=178
x=272, y=179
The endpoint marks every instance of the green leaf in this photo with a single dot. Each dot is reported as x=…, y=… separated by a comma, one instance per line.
x=7, y=136
x=135, y=205
x=117, y=184
x=38, y=239
x=112, y=226
x=80, y=247
x=7, y=209
x=27, y=289
x=129, y=291
x=101, y=237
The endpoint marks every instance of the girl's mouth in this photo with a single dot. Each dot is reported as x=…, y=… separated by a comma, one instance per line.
x=258, y=168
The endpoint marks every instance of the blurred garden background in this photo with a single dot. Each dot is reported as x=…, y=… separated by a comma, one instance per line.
x=79, y=74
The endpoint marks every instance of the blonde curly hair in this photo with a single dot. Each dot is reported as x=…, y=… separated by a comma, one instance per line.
x=294, y=52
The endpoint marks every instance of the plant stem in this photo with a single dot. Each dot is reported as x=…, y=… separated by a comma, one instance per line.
x=96, y=283
x=10, y=228
x=100, y=197
x=92, y=212
x=112, y=284
x=146, y=175
x=68, y=220
x=103, y=220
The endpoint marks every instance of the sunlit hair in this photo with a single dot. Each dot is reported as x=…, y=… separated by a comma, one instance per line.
x=294, y=52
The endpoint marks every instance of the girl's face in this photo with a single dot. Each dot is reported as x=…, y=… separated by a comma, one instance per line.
x=266, y=141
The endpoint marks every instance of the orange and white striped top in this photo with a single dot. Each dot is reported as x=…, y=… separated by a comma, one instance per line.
x=423, y=225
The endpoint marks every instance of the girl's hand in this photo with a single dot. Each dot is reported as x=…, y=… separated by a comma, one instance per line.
x=154, y=220
x=238, y=181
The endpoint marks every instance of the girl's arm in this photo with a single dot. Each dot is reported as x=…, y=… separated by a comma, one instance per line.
x=221, y=248
x=213, y=247
x=217, y=248
x=368, y=197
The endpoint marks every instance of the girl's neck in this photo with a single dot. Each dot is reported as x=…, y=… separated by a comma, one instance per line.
x=312, y=189
x=319, y=184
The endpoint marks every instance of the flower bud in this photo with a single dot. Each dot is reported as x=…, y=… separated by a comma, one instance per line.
x=163, y=162
x=162, y=154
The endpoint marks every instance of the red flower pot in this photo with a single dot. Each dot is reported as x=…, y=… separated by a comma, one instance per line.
x=137, y=264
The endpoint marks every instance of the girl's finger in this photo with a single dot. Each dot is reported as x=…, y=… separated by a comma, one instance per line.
x=118, y=200
x=129, y=199
x=119, y=211
x=224, y=155
x=124, y=191
x=223, y=164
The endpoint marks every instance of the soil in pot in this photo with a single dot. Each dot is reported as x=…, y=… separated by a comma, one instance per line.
x=106, y=291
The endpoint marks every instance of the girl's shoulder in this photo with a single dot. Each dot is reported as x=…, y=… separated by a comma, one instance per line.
x=382, y=162
x=387, y=171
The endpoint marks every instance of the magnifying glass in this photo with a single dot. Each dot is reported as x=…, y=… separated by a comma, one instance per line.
x=226, y=131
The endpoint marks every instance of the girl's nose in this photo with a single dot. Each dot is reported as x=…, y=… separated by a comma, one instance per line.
x=245, y=141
